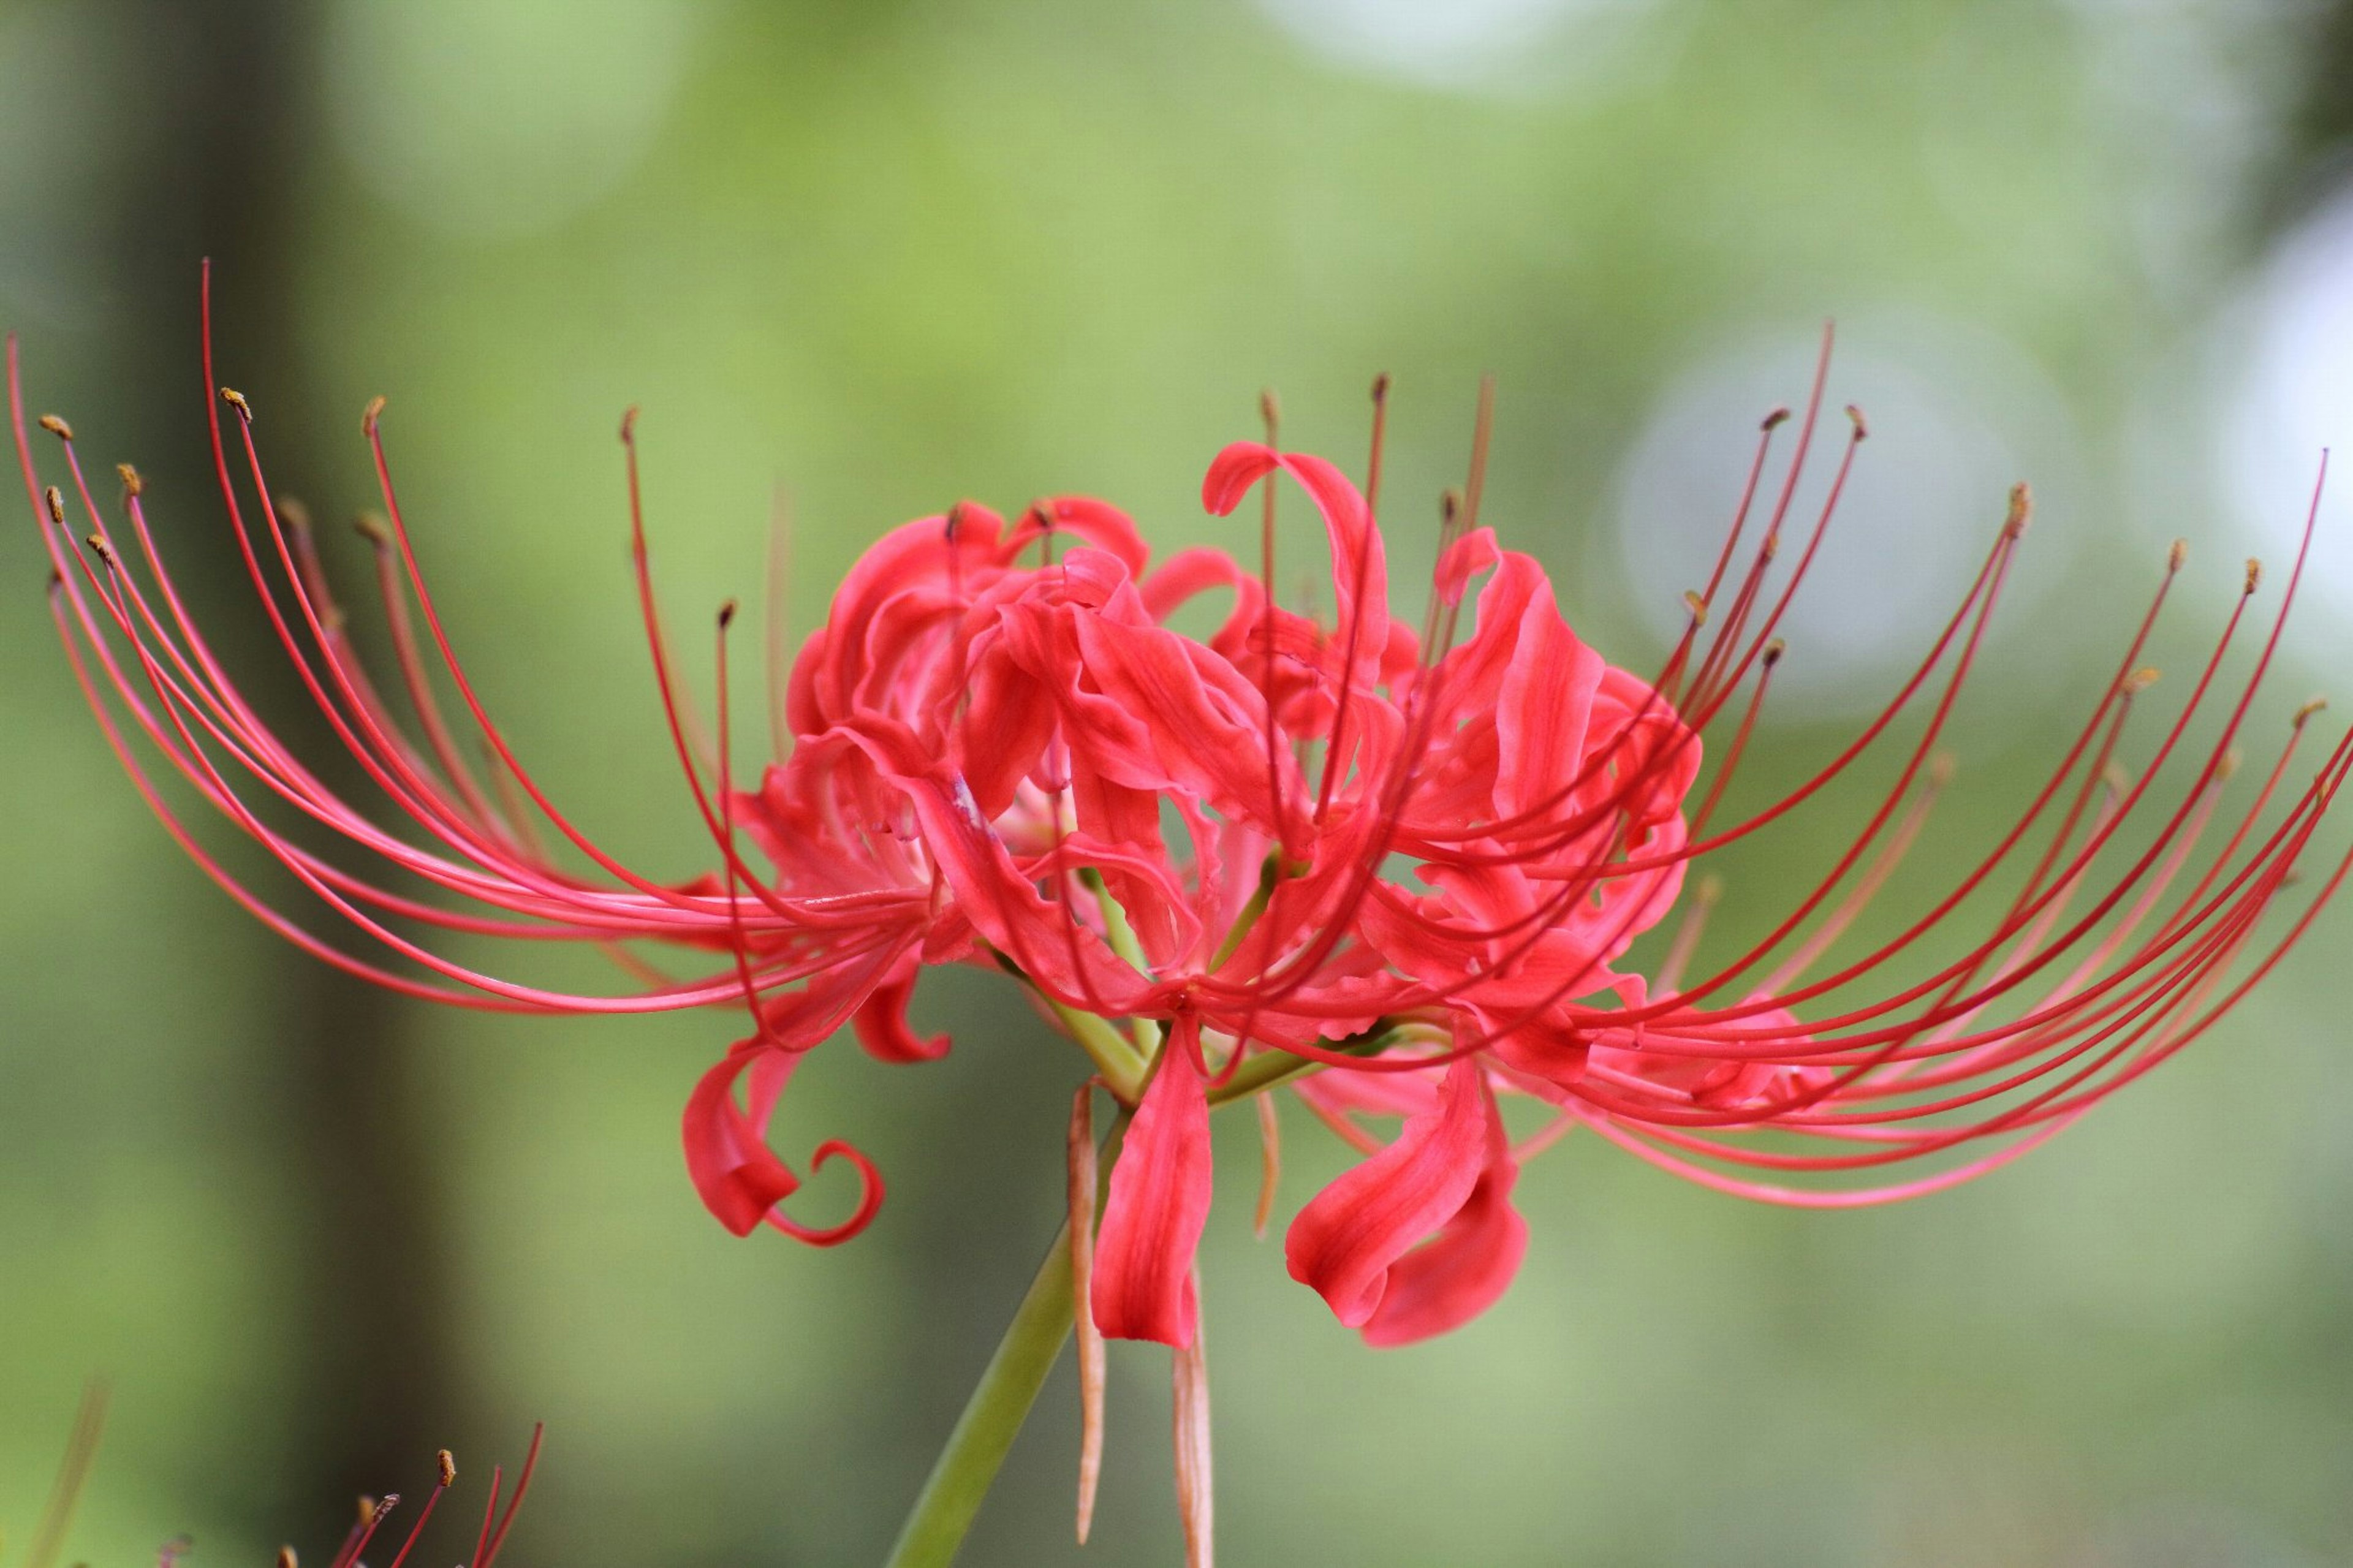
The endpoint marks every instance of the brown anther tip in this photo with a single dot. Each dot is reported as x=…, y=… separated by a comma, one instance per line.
x=1773, y=651
x=236, y=400
x=2175, y=557
x=1711, y=889
x=1770, y=548
x=1047, y=512
x=1449, y=502
x=2141, y=680
x=2228, y=763
x=100, y=547
x=367, y=1511
x=286, y=1558
x=1696, y=606
x=1269, y=409
x=2307, y=711
x=629, y=424
x=2255, y=573
x=726, y=613
x=2115, y=778
x=1380, y=387
x=2021, y=511
x=1861, y=425
x=1775, y=419
x=296, y=515
x=448, y=1464
x=132, y=483
x=370, y=415
x=372, y=528
x=1941, y=769
x=56, y=501
x=56, y=426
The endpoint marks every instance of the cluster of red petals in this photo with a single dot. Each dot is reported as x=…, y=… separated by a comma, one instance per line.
x=1418, y=855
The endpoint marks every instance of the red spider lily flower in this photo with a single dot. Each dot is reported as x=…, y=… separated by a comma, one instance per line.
x=1286, y=845
x=1405, y=866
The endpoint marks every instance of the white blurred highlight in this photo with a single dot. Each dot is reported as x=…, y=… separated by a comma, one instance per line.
x=1453, y=43
x=1955, y=418
x=2290, y=395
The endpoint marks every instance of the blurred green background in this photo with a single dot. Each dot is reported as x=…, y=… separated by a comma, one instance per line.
x=891, y=252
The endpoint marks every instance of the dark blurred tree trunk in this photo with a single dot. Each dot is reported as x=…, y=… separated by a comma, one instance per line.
x=339, y=1100
x=2317, y=153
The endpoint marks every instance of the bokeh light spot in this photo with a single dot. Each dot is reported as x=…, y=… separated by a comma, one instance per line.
x=499, y=120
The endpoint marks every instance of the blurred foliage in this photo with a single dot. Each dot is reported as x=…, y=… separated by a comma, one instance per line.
x=886, y=255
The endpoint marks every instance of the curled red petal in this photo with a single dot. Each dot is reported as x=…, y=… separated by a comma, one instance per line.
x=870, y=1199
x=1158, y=1202
x=740, y=1179
x=880, y=1021
x=1360, y=1242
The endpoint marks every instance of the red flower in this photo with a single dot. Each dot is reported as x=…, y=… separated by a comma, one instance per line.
x=1418, y=856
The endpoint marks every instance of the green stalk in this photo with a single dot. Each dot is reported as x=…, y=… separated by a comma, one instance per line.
x=962, y=1475
x=1000, y=1402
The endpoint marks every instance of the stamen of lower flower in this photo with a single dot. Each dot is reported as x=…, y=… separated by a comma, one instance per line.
x=445, y=1477
x=486, y=1551
x=373, y=1511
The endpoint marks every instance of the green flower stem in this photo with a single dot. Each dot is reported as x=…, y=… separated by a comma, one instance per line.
x=1122, y=1068
x=992, y=1417
x=1268, y=1068
x=962, y=1475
